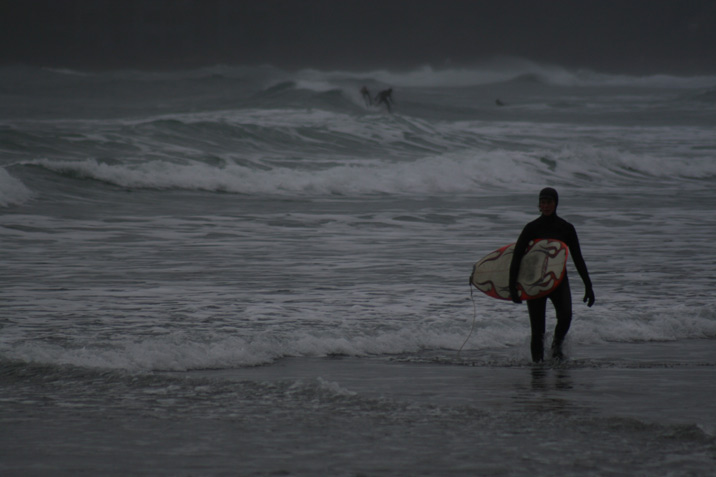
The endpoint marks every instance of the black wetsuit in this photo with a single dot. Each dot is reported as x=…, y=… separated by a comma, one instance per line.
x=553, y=227
x=386, y=97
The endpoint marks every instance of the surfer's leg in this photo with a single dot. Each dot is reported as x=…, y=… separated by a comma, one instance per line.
x=562, y=300
x=537, y=309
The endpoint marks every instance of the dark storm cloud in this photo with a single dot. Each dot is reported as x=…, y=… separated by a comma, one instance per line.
x=634, y=35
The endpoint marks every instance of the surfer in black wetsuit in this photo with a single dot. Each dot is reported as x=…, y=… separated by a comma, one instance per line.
x=549, y=225
x=366, y=96
x=385, y=97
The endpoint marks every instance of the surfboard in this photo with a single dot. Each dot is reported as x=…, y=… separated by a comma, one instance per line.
x=541, y=270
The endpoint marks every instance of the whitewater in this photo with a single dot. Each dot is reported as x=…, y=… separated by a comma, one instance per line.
x=251, y=271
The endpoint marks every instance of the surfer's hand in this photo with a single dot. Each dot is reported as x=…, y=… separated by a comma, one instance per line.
x=589, y=296
x=515, y=295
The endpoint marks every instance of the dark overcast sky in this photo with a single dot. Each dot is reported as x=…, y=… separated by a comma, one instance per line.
x=637, y=36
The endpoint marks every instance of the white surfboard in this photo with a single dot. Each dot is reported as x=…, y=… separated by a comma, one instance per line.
x=541, y=270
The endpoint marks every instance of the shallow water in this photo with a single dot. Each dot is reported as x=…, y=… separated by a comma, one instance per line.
x=252, y=273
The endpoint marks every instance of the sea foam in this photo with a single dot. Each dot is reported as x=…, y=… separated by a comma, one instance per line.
x=12, y=190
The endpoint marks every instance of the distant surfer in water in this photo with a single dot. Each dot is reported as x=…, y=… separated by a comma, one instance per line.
x=385, y=97
x=550, y=226
x=366, y=96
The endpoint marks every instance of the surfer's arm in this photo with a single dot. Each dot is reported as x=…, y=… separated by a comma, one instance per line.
x=517, y=255
x=581, y=266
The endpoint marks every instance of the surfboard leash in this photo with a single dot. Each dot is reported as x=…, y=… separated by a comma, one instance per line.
x=474, y=319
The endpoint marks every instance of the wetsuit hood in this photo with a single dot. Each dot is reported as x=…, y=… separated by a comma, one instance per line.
x=550, y=193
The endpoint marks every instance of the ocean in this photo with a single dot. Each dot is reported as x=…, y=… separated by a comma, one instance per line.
x=249, y=271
